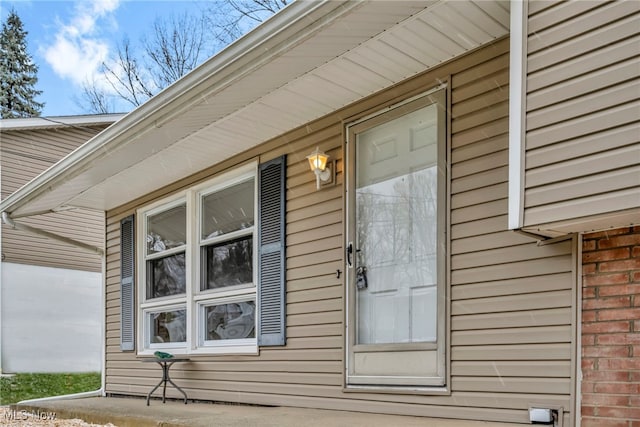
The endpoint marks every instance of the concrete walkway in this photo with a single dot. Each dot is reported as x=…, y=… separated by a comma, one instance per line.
x=133, y=412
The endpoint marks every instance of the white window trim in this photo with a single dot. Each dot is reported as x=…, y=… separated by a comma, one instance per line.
x=194, y=299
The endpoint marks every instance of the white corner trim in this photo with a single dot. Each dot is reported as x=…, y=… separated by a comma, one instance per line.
x=517, y=111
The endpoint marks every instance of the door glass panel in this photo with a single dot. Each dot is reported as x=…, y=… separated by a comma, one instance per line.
x=396, y=229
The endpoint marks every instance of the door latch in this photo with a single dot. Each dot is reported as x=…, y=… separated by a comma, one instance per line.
x=361, y=278
x=350, y=254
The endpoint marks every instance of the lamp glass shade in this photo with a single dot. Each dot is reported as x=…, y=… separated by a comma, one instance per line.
x=317, y=160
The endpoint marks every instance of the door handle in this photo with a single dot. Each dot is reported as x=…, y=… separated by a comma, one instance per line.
x=350, y=254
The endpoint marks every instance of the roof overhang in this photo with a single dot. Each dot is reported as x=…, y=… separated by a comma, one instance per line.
x=310, y=59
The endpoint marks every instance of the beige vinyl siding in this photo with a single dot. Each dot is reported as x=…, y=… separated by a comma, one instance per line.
x=583, y=109
x=511, y=300
x=24, y=155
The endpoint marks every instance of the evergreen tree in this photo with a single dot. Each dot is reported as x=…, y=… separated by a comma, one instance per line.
x=17, y=72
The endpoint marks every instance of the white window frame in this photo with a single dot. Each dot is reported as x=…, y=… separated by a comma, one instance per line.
x=147, y=312
x=195, y=300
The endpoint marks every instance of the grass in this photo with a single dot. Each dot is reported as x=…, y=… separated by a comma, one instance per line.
x=20, y=387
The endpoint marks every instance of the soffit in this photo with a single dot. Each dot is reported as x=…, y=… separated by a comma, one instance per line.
x=358, y=48
x=587, y=224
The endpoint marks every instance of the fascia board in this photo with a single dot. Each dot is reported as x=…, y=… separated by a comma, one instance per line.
x=31, y=123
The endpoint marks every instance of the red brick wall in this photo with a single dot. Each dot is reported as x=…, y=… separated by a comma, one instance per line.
x=611, y=328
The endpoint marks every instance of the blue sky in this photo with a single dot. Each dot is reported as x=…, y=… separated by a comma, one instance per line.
x=68, y=40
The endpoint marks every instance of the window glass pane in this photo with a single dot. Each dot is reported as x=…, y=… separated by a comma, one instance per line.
x=168, y=326
x=228, y=264
x=167, y=229
x=228, y=210
x=230, y=321
x=166, y=276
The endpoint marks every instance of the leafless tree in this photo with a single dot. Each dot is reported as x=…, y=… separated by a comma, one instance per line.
x=232, y=18
x=174, y=47
x=127, y=77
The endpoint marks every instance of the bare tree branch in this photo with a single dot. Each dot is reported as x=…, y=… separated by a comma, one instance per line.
x=93, y=100
x=174, y=47
x=230, y=19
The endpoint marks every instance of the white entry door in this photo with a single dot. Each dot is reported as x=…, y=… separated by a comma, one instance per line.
x=395, y=249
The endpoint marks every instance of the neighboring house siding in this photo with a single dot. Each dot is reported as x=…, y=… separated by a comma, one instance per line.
x=582, y=109
x=512, y=302
x=611, y=328
x=26, y=154
x=51, y=319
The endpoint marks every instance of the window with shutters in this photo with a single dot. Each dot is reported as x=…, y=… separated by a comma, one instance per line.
x=198, y=268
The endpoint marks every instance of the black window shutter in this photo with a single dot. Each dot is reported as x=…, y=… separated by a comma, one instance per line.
x=271, y=252
x=127, y=268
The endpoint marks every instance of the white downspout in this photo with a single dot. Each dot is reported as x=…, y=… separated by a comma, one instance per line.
x=103, y=313
x=95, y=393
x=1, y=310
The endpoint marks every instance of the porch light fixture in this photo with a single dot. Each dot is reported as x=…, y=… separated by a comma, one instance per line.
x=319, y=166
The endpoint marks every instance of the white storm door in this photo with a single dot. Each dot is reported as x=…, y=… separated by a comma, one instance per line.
x=395, y=249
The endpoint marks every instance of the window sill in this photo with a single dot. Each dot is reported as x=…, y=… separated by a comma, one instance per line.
x=205, y=351
x=224, y=350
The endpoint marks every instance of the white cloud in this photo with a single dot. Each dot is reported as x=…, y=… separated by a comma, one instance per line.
x=78, y=49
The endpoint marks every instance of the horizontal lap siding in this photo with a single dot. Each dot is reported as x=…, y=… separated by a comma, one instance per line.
x=24, y=155
x=511, y=301
x=313, y=355
x=509, y=348
x=583, y=109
